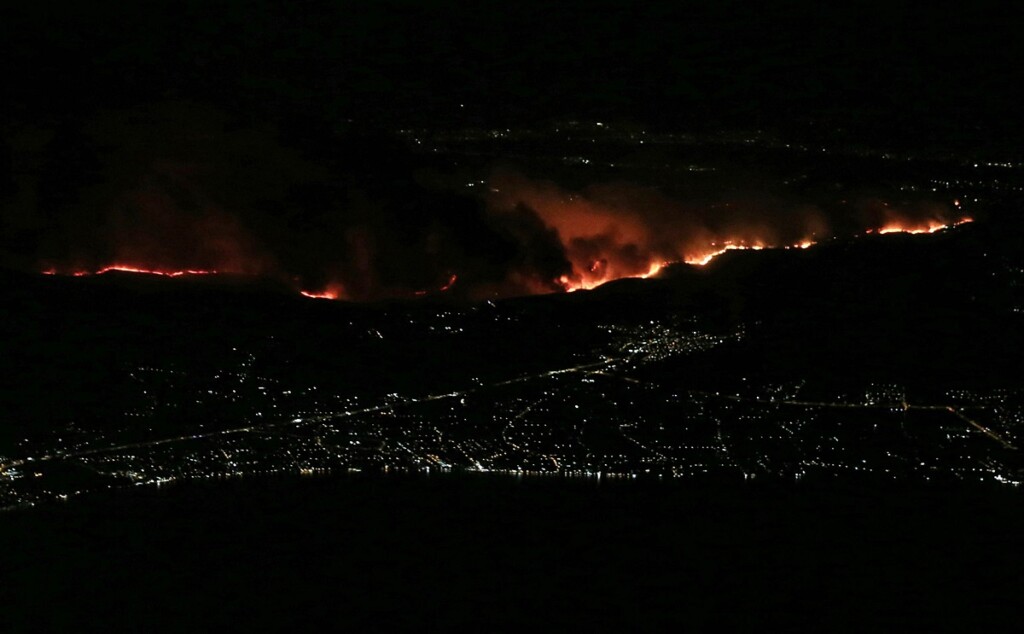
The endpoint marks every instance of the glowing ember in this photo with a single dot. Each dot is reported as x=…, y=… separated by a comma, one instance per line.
x=451, y=281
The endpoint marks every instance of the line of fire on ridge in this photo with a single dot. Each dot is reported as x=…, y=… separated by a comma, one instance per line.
x=336, y=292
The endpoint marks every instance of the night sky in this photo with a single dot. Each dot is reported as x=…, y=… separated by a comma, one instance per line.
x=879, y=67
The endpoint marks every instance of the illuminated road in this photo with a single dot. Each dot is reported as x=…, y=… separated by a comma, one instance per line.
x=985, y=430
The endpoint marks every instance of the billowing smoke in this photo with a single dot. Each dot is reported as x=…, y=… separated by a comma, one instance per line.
x=611, y=231
x=179, y=188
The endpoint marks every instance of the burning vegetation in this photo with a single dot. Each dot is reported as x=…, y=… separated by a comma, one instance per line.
x=620, y=231
x=597, y=250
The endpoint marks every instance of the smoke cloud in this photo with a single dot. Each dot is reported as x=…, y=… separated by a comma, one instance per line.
x=609, y=231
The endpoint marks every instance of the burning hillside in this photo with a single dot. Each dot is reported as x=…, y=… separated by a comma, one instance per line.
x=186, y=193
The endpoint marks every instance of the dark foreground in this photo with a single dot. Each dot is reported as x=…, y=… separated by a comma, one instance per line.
x=487, y=553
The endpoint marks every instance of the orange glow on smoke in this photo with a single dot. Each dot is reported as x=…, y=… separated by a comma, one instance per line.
x=594, y=274
x=618, y=231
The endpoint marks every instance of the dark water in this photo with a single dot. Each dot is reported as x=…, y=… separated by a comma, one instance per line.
x=487, y=553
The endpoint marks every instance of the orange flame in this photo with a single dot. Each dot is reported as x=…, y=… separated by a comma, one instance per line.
x=444, y=287
x=126, y=268
x=322, y=295
x=654, y=268
x=925, y=226
x=451, y=281
x=597, y=274
x=704, y=257
x=331, y=291
x=715, y=251
x=604, y=239
x=132, y=269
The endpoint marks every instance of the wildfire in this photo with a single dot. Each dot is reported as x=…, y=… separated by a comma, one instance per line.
x=123, y=268
x=706, y=257
x=926, y=226
x=129, y=269
x=594, y=256
x=331, y=291
x=596, y=273
x=590, y=282
x=451, y=281
x=571, y=285
x=655, y=268
x=593, y=276
x=447, y=285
